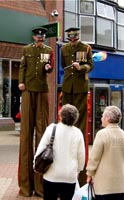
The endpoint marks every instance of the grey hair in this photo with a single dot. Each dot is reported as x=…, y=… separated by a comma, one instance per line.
x=69, y=114
x=114, y=114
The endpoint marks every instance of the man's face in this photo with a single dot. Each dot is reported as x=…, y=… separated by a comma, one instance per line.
x=73, y=37
x=38, y=40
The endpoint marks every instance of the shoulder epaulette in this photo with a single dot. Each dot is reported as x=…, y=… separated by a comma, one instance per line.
x=29, y=45
x=46, y=46
x=65, y=45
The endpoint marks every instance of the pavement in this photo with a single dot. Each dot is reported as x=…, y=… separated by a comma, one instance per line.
x=9, y=150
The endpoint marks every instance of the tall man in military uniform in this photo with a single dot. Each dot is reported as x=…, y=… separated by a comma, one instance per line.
x=37, y=61
x=76, y=58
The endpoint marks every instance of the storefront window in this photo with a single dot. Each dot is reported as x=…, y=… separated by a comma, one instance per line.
x=5, y=88
x=1, y=89
x=15, y=92
x=9, y=92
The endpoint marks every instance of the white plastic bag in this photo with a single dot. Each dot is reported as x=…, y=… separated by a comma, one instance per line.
x=82, y=193
x=77, y=186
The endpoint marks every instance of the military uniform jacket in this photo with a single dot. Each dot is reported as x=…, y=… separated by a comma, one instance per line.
x=32, y=68
x=73, y=79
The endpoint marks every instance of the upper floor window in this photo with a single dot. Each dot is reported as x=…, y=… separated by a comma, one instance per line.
x=105, y=26
x=70, y=5
x=121, y=3
x=98, y=20
x=104, y=32
x=87, y=24
x=113, y=1
x=87, y=7
x=70, y=21
x=120, y=31
x=104, y=10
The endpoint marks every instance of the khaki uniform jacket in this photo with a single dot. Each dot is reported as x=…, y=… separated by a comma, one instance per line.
x=32, y=68
x=74, y=79
x=106, y=161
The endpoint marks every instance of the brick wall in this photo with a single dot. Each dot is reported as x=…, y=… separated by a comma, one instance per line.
x=27, y=6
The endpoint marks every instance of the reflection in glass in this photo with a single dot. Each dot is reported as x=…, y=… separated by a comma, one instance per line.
x=87, y=29
x=105, y=11
x=70, y=21
x=121, y=37
x=86, y=7
x=70, y=5
x=5, y=72
x=104, y=32
x=101, y=100
x=120, y=18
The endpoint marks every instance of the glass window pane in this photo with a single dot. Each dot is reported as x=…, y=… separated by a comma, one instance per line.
x=87, y=29
x=105, y=11
x=121, y=37
x=86, y=7
x=15, y=92
x=121, y=18
x=6, y=87
x=70, y=21
x=70, y=5
x=1, y=90
x=104, y=32
x=113, y=0
x=121, y=3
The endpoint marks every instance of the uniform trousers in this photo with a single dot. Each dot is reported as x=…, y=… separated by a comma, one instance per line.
x=117, y=196
x=34, y=120
x=52, y=190
x=80, y=102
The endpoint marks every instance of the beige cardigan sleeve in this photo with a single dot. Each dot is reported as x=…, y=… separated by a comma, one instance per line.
x=95, y=155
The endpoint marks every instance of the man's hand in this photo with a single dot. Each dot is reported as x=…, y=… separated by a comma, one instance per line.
x=22, y=86
x=47, y=67
x=77, y=66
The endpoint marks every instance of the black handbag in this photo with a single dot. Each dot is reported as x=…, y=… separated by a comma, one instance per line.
x=45, y=158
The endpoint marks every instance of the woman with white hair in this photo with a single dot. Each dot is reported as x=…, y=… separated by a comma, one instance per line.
x=68, y=156
x=105, y=167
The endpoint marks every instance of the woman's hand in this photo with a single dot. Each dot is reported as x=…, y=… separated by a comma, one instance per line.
x=89, y=179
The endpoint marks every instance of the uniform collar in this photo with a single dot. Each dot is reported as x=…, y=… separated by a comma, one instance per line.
x=74, y=44
x=40, y=47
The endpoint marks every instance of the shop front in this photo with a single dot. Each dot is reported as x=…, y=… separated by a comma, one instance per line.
x=106, y=87
x=9, y=92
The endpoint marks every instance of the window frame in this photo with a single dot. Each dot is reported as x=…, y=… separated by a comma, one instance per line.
x=90, y=1
x=84, y=16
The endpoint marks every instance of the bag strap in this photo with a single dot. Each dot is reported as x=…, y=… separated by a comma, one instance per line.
x=91, y=191
x=52, y=136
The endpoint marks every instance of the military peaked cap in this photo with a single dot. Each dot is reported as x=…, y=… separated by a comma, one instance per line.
x=72, y=29
x=39, y=31
x=72, y=32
